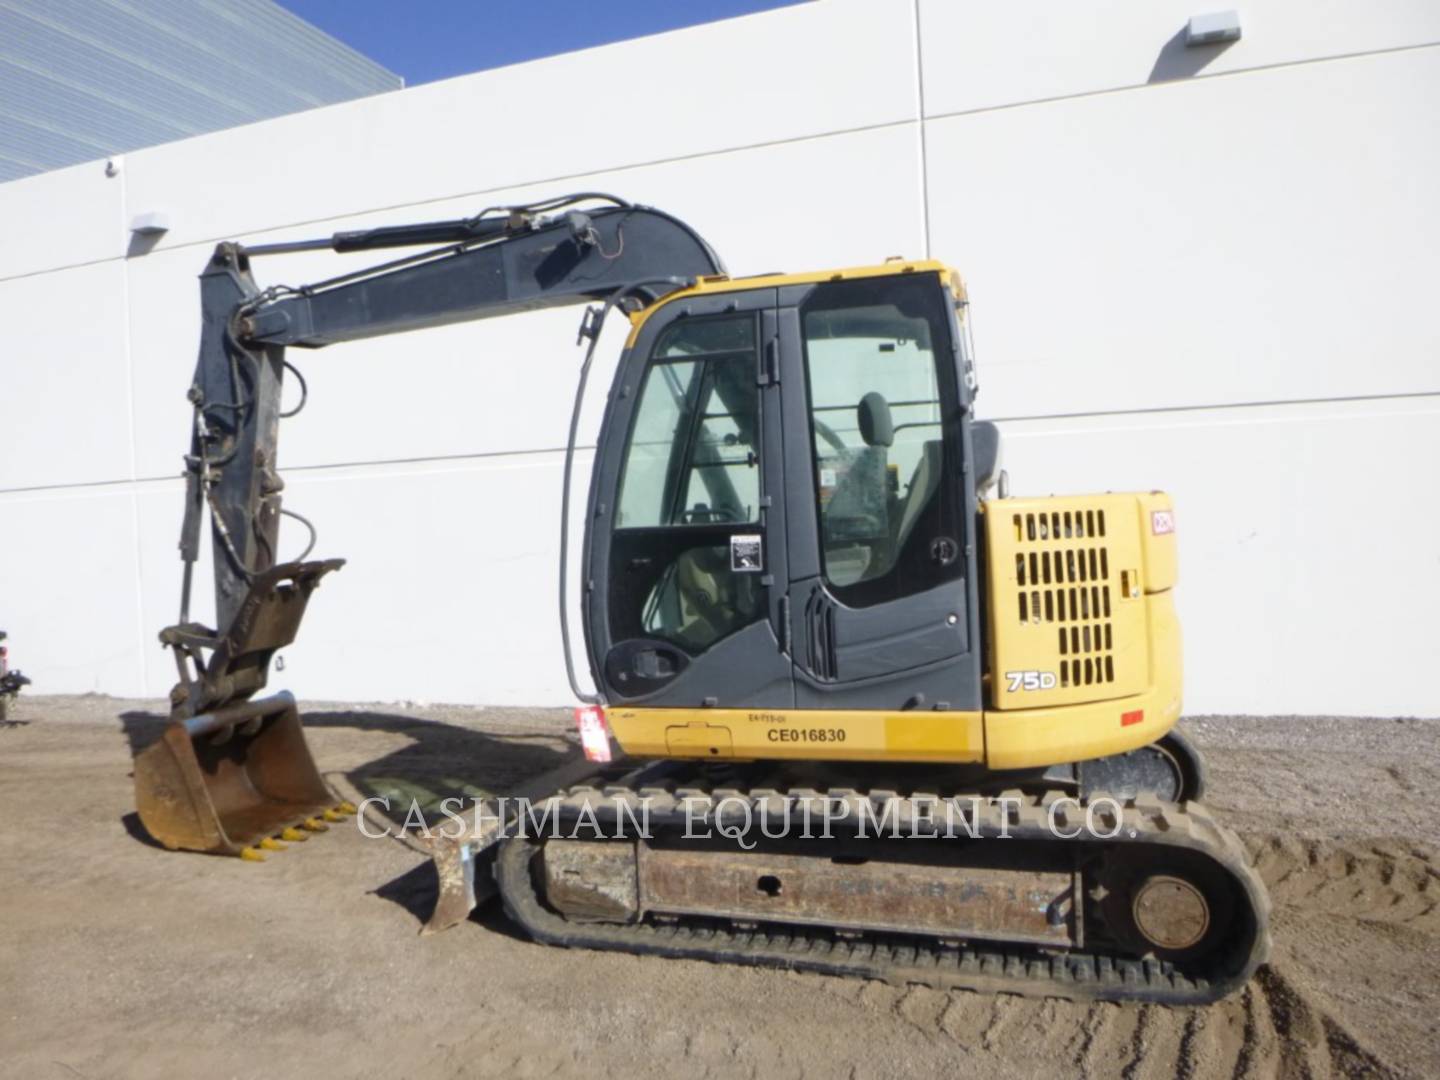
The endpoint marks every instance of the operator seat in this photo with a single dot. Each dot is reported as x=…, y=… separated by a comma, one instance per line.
x=858, y=512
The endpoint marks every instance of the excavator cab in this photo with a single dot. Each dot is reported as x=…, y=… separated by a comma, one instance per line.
x=781, y=512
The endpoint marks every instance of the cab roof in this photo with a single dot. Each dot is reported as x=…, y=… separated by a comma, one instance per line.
x=722, y=283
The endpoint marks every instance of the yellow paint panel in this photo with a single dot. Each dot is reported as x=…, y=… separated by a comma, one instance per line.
x=709, y=286
x=1157, y=530
x=1035, y=738
x=800, y=734
x=1066, y=623
x=698, y=740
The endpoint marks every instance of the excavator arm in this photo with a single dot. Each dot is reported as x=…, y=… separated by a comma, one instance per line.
x=202, y=787
x=500, y=262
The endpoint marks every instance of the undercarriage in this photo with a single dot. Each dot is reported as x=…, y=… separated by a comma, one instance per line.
x=1038, y=892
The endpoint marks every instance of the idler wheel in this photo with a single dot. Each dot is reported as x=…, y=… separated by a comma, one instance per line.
x=1170, y=913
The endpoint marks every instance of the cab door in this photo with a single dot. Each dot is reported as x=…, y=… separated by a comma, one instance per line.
x=883, y=591
x=687, y=529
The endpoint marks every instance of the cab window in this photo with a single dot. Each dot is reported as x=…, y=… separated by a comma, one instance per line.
x=879, y=370
x=692, y=457
x=689, y=483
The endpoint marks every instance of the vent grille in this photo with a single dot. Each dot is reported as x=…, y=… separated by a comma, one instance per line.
x=1062, y=577
x=824, y=661
x=1068, y=616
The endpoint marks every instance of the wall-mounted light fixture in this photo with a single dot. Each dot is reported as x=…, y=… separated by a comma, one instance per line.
x=1216, y=28
x=153, y=223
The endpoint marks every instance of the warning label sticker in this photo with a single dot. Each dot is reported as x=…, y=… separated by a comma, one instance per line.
x=1162, y=522
x=745, y=555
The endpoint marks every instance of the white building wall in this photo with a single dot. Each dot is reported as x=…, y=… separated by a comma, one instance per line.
x=1213, y=279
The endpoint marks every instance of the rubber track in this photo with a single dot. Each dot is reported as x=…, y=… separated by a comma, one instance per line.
x=1076, y=974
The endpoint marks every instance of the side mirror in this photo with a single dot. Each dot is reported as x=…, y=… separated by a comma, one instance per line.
x=877, y=427
x=985, y=446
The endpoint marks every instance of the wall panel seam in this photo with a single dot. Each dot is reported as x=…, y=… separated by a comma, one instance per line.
x=128, y=347
x=1277, y=403
x=479, y=193
x=924, y=150
x=156, y=482
x=1130, y=88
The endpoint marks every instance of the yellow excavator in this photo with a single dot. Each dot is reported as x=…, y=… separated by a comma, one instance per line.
x=856, y=709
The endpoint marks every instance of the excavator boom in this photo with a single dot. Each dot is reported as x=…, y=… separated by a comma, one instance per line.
x=564, y=251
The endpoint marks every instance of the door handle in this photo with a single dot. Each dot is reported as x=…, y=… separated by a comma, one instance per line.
x=944, y=550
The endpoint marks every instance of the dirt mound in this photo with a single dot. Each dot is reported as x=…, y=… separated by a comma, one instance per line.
x=1270, y=1029
x=1281, y=1025
x=1391, y=882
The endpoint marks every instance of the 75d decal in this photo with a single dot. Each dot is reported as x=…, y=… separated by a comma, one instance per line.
x=1030, y=680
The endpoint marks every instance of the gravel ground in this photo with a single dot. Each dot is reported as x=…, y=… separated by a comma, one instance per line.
x=121, y=959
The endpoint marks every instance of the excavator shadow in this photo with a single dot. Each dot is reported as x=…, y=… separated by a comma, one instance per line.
x=141, y=730
x=439, y=761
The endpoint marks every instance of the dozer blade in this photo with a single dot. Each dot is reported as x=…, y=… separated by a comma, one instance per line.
x=464, y=863
x=227, y=780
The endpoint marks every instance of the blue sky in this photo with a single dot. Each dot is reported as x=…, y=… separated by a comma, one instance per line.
x=425, y=40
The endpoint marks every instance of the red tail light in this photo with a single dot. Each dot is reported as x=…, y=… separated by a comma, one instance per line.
x=594, y=734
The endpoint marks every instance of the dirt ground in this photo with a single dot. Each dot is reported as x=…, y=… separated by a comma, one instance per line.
x=119, y=959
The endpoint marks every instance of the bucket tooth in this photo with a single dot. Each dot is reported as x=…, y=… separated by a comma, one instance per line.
x=295, y=836
x=271, y=844
x=251, y=854
x=314, y=825
x=346, y=807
